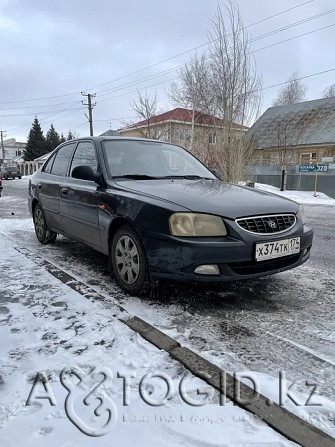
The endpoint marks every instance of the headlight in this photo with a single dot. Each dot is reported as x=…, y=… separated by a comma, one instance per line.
x=301, y=213
x=191, y=224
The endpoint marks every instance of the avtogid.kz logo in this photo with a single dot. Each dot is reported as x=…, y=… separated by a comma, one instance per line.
x=94, y=413
x=85, y=399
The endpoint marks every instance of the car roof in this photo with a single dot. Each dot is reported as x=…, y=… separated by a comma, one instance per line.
x=102, y=138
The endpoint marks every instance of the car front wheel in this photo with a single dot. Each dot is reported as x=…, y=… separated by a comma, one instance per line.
x=129, y=260
x=43, y=234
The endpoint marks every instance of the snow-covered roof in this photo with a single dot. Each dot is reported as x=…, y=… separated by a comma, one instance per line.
x=43, y=157
x=18, y=159
x=110, y=133
x=305, y=123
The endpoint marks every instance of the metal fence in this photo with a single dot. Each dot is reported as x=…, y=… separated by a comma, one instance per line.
x=300, y=181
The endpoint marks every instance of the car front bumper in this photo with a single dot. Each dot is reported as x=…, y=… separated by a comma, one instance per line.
x=177, y=258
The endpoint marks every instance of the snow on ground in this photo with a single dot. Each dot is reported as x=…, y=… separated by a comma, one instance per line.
x=303, y=197
x=45, y=327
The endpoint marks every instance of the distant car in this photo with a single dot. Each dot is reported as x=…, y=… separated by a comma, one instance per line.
x=158, y=212
x=10, y=172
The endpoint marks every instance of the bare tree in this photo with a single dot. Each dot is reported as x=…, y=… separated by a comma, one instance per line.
x=145, y=106
x=329, y=91
x=226, y=86
x=288, y=136
x=193, y=91
x=292, y=92
x=237, y=90
x=194, y=86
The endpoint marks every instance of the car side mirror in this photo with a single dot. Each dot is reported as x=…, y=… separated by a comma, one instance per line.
x=217, y=173
x=85, y=173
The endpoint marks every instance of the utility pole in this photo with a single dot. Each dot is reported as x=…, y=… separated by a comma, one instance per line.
x=90, y=108
x=2, y=155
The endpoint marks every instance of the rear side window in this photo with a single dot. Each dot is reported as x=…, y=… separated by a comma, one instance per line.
x=85, y=156
x=48, y=165
x=62, y=159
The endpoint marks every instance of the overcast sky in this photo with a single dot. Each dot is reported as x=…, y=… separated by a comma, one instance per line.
x=54, y=49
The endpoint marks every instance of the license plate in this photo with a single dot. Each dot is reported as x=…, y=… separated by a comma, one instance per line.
x=277, y=249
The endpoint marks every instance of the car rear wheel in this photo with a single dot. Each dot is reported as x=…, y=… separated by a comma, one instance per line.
x=43, y=234
x=129, y=260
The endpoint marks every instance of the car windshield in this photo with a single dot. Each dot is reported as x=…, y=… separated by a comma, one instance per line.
x=11, y=169
x=147, y=159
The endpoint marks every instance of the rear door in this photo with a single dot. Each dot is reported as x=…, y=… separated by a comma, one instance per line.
x=80, y=199
x=49, y=183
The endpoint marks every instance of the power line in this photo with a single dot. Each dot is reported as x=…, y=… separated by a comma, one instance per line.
x=263, y=88
x=292, y=38
x=200, y=46
x=173, y=79
x=296, y=79
x=39, y=99
x=171, y=70
x=37, y=107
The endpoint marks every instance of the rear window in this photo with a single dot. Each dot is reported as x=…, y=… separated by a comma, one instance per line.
x=11, y=169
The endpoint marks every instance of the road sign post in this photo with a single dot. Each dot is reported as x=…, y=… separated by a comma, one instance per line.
x=316, y=179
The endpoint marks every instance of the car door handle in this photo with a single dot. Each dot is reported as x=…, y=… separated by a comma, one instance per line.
x=65, y=190
x=39, y=185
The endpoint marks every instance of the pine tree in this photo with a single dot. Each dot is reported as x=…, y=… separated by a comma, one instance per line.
x=70, y=135
x=52, y=139
x=62, y=138
x=36, y=144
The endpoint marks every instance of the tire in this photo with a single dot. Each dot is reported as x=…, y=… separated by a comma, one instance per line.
x=129, y=260
x=19, y=178
x=43, y=234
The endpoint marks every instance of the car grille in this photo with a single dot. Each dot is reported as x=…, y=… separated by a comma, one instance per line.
x=272, y=224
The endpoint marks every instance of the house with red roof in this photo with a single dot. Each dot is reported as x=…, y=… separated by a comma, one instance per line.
x=197, y=132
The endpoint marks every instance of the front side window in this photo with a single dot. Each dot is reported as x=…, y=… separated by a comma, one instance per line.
x=85, y=156
x=62, y=159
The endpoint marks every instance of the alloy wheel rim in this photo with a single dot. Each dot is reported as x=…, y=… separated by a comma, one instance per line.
x=39, y=223
x=127, y=259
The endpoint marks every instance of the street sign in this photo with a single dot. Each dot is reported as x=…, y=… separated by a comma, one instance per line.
x=313, y=168
x=327, y=159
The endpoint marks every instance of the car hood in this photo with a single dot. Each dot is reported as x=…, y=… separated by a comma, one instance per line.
x=213, y=197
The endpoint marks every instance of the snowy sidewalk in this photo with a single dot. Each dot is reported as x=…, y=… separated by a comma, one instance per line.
x=303, y=197
x=45, y=326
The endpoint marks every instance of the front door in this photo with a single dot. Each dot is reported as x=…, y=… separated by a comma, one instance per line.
x=80, y=199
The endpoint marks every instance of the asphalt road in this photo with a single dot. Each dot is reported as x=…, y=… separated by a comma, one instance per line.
x=283, y=322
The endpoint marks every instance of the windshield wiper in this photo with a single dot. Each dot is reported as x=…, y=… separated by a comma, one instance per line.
x=152, y=177
x=137, y=176
x=188, y=177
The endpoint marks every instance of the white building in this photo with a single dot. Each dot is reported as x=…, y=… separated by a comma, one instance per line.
x=12, y=149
